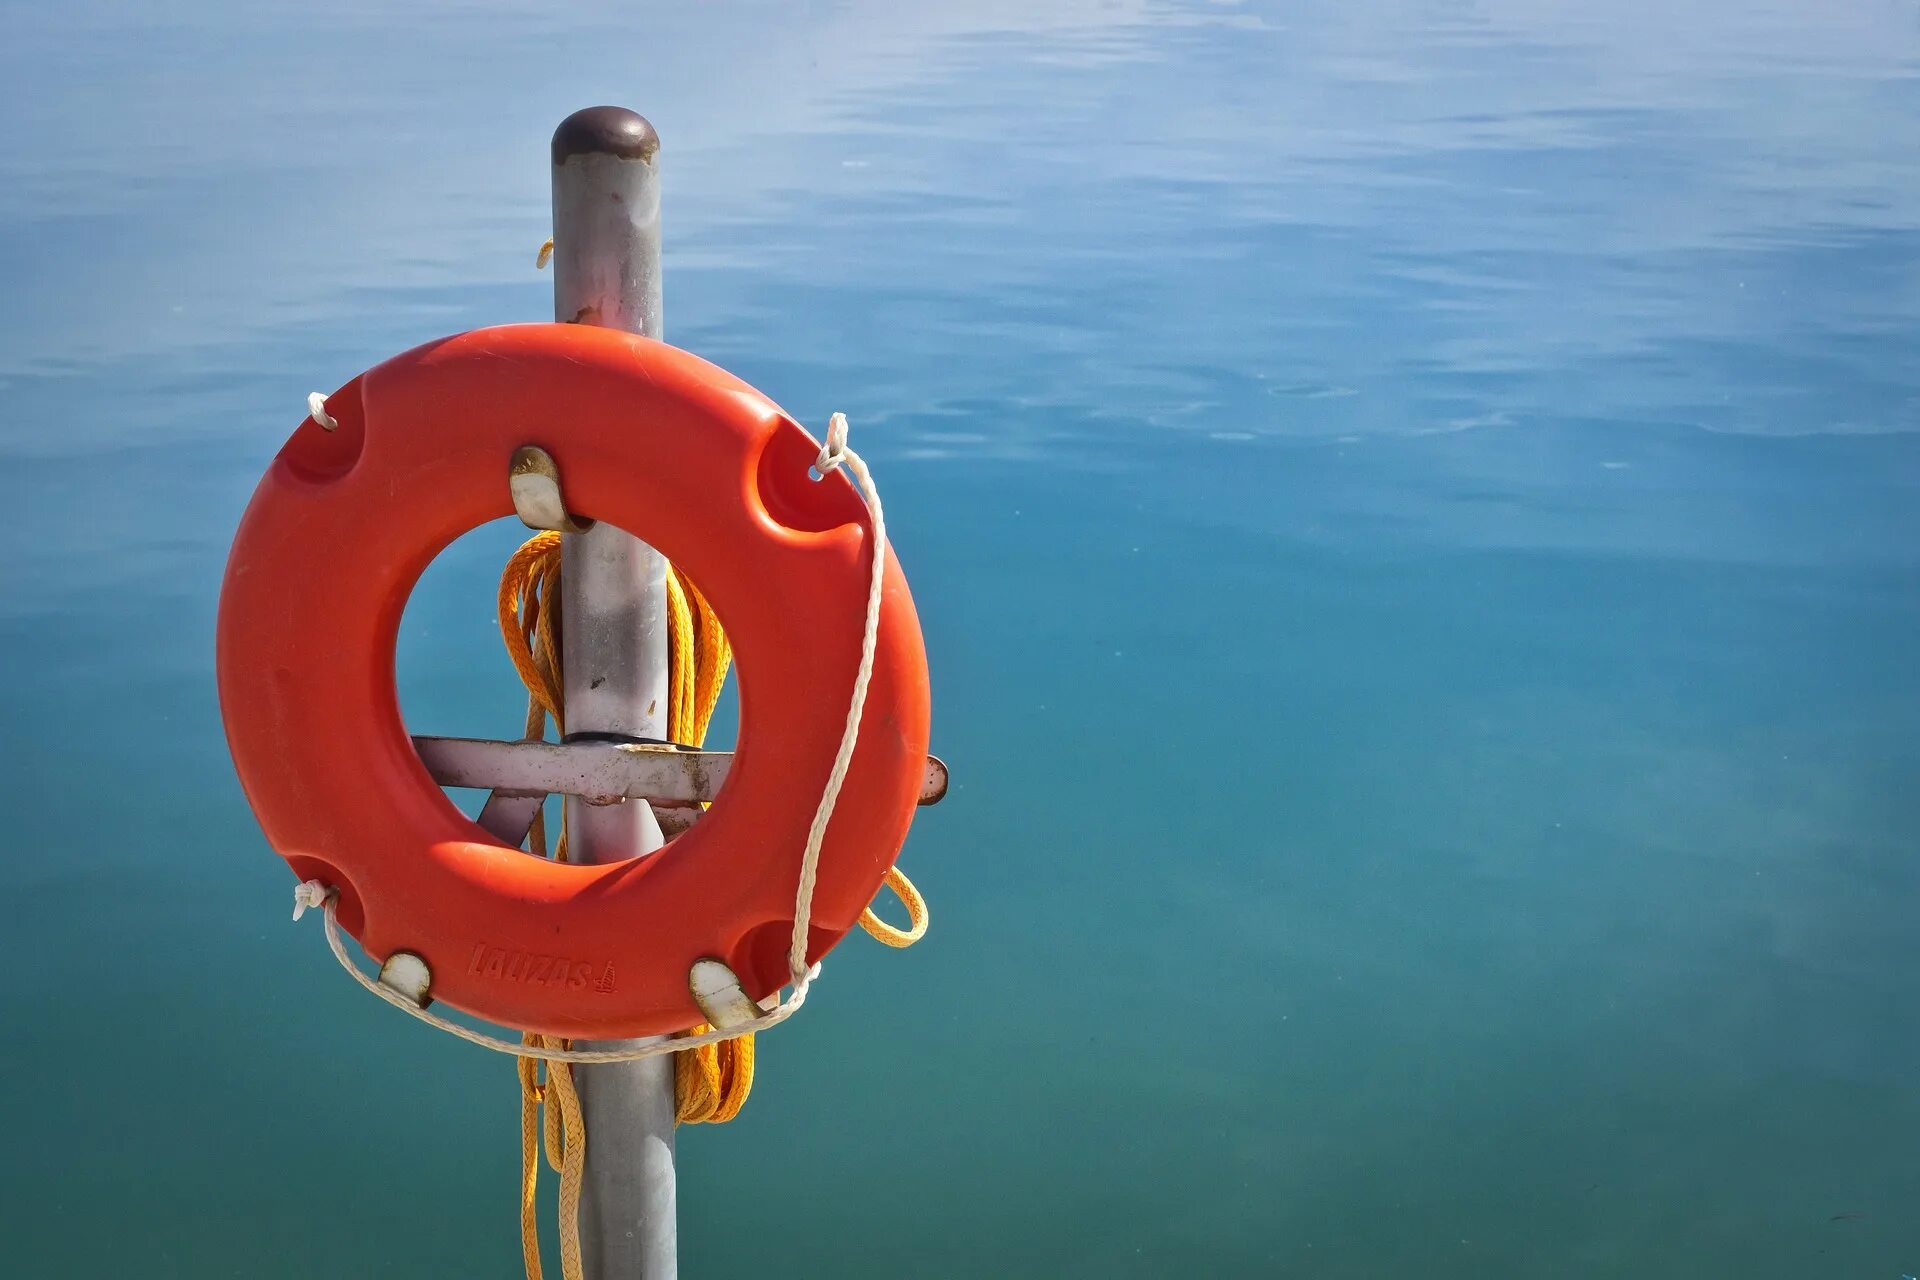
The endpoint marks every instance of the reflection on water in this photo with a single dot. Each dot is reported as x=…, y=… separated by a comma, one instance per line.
x=1414, y=512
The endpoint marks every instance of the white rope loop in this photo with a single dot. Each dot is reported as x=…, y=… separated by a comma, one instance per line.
x=312, y=893
x=317, y=410
x=330, y=902
x=832, y=455
x=834, y=451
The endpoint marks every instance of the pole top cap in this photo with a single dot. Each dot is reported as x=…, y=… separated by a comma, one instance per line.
x=605, y=131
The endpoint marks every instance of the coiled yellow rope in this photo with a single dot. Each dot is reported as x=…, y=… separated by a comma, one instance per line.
x=528, y=605
x=711, y=1082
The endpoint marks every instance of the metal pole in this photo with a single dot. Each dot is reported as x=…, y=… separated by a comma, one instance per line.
x=613, y=609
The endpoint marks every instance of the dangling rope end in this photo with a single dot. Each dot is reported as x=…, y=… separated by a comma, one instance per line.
x=309, y=893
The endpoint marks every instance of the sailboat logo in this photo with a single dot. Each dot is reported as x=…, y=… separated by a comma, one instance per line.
x=605, y=984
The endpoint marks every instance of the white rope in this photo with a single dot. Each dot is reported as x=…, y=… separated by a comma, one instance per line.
x=832, y=454
x=317, y=410
x=330, y=900
x=312, y=893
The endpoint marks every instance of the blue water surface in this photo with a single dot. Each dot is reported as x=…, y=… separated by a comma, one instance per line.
x=1416, y=513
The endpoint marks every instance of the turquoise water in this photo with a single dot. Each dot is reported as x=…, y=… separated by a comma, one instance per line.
x=1414, y=512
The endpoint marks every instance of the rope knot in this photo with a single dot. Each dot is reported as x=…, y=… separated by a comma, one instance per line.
x=309, y=893
x=834, y=451
x=317, y=410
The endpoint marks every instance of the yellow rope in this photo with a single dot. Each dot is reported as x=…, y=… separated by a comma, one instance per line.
x=711, y=1082
x=565, y=1140
x=528, y=606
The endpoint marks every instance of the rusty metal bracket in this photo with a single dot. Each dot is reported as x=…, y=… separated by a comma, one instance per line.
x=533, y=478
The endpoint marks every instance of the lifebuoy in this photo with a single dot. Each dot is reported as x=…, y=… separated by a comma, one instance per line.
x=698, y=464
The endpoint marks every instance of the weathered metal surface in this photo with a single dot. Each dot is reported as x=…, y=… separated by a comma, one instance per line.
x=676, y=821
x=608, y=131
x=600, y=773
x=613, y=620
x=507, y=816
x=533, y=481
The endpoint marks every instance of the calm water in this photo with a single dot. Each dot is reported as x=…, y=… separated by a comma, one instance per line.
x=1414, y=507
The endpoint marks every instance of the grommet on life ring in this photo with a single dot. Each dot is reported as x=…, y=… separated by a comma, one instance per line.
x=696, y=463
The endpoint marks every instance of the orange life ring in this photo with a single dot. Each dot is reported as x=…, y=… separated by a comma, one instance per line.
x=698, y=464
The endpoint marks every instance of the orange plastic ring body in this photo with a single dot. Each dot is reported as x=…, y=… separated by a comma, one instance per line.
x=701, y=466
